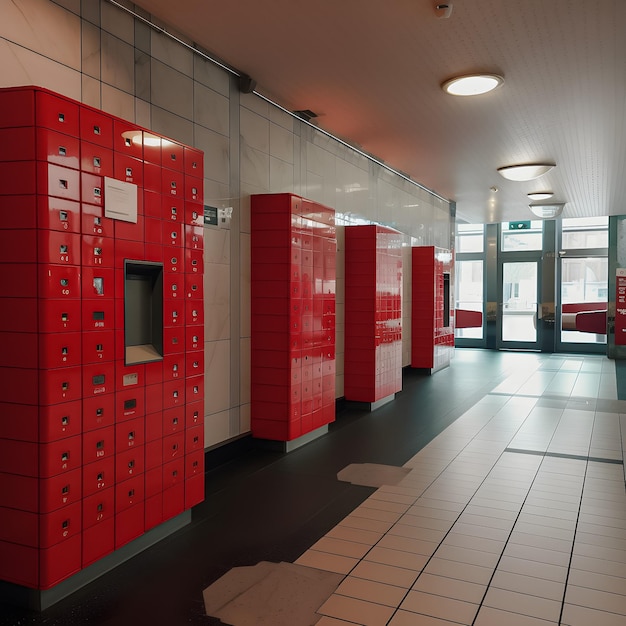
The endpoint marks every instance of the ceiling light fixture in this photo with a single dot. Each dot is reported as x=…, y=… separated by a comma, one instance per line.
x=526, y=171
x=547, y=210
x=472, y=85
x=540, y=195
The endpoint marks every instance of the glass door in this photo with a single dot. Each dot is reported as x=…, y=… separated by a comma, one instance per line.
x=519, y=305
x=540, y=285
x=519, y=285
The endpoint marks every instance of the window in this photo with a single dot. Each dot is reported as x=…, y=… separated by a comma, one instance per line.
x=585, y=233
x=522, y=236
x=470, y=238
x=469, y=294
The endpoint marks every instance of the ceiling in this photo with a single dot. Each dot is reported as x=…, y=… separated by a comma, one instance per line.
x=371, y=71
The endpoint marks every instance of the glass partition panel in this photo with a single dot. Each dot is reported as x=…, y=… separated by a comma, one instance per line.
x=584, y=291
x=469, y=295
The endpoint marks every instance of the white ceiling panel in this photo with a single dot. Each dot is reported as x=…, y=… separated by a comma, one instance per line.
x=372, y=70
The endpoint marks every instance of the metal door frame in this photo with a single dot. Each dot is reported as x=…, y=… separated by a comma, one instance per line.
x=532, y=256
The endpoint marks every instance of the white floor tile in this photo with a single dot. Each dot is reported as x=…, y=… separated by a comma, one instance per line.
x=356, y=611
x=341, y=547
x=372, y=591
x=440, y=607
x=406, y=618
x=387, y=574
x=583, y=616
x=488, y=616
x=450, y=588
x=425, y=552
x=528, y=585
x=459, y=571
x=531, y=606
x=327, y=562
x=397, y=558
x=596, y=599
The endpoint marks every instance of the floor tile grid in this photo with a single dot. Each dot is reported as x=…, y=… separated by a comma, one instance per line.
x=459, y=609
x=599, y=500
x=437, y=448
x=381, y=556
x=573, y=433
x=393, y=545
x=596, y=585
x=557, y=497
x=394, y=550
x=606, y=437
x=479, y=554
x=583, y=437
x=455, y=439
x=388, y=567
x=528, y=584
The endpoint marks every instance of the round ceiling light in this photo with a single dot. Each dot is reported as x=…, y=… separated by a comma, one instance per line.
x=472, y=85
x=527, y=171
x=547, y=211
x=540, y=195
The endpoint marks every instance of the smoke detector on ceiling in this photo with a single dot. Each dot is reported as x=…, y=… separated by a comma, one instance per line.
x=443, y=10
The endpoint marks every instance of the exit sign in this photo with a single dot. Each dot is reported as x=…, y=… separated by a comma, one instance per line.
x=519, y=225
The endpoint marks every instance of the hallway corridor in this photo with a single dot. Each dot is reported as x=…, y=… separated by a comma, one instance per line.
x=512, y=510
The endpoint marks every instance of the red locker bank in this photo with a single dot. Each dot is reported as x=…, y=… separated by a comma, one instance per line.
x=293, y=316
x=101, y=362
x=373, y=344
x=432, y=315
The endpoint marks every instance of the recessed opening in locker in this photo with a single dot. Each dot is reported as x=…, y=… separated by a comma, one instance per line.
x=446, y=299
x=143, y=311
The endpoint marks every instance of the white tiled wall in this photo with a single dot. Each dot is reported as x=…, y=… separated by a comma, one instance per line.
x=93, y=51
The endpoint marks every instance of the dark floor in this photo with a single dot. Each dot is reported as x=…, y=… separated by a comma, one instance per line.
x=262, y=505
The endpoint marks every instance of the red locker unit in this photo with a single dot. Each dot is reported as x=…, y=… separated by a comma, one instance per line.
x=432, y=316
x=293, y=308
x=82, y=434
x=373, y=313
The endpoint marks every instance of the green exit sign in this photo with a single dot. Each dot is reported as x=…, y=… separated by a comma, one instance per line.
x=519, y=225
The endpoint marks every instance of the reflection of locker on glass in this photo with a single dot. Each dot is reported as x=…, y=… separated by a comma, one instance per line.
x=95, y=247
